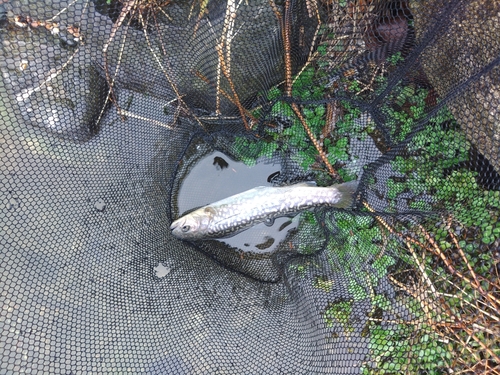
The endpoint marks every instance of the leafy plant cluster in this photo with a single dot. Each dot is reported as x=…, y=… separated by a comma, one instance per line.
x=406, y=108
x=363, y=252
x=433, y=171
x=287, y=134
x=358, y=242
x=406, y=349
x=435, y=168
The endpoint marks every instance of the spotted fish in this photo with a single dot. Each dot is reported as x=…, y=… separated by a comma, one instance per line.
x=262, y=204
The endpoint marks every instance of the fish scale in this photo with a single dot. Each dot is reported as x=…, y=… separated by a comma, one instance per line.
x=239, y=212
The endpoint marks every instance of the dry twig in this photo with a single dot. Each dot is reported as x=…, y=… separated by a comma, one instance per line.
x=467, y=329
x=286, y=32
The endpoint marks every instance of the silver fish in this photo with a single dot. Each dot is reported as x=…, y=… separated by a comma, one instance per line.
x=262, y=204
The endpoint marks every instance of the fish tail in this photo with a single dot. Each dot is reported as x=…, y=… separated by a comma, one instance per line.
x=347, y=189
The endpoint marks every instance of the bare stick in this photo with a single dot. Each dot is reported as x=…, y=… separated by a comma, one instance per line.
x=313, y=139
x=111, y=81
x=286, y=31
x=167, y=76
x=233, y=89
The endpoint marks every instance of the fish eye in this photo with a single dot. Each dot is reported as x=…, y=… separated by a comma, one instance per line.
x=185, y=228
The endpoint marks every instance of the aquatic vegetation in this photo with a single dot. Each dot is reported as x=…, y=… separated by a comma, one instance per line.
x=419, y=259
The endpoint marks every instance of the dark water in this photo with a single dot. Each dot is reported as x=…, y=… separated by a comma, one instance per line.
x=216, y=176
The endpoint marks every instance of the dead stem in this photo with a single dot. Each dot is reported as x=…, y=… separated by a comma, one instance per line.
x=233, y=89
x=111, y=80
x=313, y=139
x=434, y=248
x=312, y=8
x=286, y=32
x=65, y=9
x=275, y=9
x=207, y=81
x=458, y=322
x=225, y=44
x=169, y=79
x=462, y=254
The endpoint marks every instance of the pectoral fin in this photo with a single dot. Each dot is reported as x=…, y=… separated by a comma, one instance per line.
x=210, y=211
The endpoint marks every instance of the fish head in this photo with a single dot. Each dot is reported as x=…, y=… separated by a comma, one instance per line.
x=193, y=226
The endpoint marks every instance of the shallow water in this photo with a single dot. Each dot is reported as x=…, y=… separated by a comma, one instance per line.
x=216, y=176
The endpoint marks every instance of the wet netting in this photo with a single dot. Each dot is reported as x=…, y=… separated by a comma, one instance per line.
x=118, y=117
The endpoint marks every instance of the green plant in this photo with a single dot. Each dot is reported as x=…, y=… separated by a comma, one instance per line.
x=395, y=58
x=293, y=138
x=339, y=312
x=359, y=238
x=407, y=106
x=431, y=171
x=437, y=152
x=405, y=349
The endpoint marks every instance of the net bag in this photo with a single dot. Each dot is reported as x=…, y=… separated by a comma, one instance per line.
x=118, y=117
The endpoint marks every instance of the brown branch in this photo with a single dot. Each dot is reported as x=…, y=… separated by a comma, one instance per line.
x=313, y=139
x=286, y=31
x=169, y=78
x=207, y=81
x=457, y=324
x=111, y=81
x=233, y=89
x=437, y=251
x=462, y=254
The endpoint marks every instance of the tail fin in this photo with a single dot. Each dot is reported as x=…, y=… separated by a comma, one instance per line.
x=347, y=189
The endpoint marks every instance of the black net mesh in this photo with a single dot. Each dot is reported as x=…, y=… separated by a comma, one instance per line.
x=120, y=116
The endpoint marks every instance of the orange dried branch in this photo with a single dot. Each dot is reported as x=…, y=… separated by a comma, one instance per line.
x=169, y=78
x=286, y=31
x=458, y=322
x=434, y=248
x=227, y=96
x=111, y=80
x=313, y=139
x=233, y=89
x=462, y=254
x=222, y=91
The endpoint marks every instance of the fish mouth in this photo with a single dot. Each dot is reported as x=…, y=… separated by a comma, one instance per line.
x=174, y=225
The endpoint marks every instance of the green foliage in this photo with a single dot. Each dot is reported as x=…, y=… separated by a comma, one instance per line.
x=294, y=138
x=249, y=151
x=299, y=268
x=346, y=125
x=405, y=349
x=323, y=283
x=432, y=169
x=395, y=59
x=407, y=106
x=358, y=244
x=315, y=239
x=338, y=312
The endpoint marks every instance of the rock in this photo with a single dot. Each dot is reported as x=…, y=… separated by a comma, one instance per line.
x=69, y=105
x=460, y=54
x=181, y=51
x=54, y=87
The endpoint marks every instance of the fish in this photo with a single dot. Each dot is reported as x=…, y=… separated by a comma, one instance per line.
x=262, y=204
